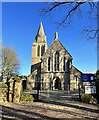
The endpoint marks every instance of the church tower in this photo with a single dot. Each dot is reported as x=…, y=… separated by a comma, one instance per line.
x=39, y=46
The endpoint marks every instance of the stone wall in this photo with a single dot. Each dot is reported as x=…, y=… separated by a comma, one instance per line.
x=75, y=78
x=30, y=82
x=11, y=91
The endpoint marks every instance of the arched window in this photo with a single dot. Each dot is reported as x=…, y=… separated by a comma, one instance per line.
x=49, y=64
x=38, y=50
x=64, y=63
x=42, y=50
x=56, y=65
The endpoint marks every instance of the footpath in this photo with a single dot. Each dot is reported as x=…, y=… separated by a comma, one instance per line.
x=50, y=110
x=52, y=106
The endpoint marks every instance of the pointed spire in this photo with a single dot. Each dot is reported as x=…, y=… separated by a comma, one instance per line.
x=40, y=37
x=41, y=30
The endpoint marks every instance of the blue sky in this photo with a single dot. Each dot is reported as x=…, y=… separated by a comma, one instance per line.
x=20, y=25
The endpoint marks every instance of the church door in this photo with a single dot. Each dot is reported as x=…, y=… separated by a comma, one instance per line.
x=57, y=84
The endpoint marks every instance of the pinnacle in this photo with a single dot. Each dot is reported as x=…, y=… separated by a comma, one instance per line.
x=56, y=35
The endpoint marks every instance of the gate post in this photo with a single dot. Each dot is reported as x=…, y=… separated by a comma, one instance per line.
x=79, y=92
x=38, y=88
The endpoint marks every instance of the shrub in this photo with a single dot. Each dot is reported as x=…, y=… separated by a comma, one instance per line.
x=3, y=84
x=26, y=97
x=16, y=78
x=87, y=98
x=93, y=100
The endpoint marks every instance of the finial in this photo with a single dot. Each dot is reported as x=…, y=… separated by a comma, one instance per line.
x=41, y=24
x=56, y=35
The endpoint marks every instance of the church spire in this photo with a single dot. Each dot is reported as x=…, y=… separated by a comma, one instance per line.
x=40, y=37
x=41, y=30
x=39, y=46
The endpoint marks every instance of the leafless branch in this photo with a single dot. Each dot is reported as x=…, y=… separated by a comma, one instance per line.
x=53, y=6
x=70, y=8
x=91, y=33
x=71, y=11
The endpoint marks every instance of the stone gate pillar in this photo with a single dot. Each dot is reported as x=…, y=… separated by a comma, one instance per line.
x=18, y=89
x=11, y=82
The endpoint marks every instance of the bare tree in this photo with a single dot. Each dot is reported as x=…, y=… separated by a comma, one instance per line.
x=69, y=9
x=10, y=63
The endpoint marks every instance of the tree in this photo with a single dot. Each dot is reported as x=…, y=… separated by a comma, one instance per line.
x=10, y=63
x=69, y=9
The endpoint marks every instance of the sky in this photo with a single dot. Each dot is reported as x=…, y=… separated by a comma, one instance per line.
x=20, y=23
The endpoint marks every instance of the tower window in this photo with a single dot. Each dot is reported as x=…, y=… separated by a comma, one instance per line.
x=56, y=65
x=42, y=50
x=49, y=64
x=38, y=51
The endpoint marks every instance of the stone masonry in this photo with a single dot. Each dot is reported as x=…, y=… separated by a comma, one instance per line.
x=52, y=67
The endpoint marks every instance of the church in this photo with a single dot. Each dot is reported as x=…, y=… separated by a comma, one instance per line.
x=52, y=66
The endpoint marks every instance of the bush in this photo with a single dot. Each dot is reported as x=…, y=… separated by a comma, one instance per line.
x=93, y=100
x=87, y=98
x=16, y=78
x=3, y=85
x=26, y=97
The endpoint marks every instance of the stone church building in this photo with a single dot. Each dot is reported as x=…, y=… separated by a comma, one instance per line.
x=52, y=66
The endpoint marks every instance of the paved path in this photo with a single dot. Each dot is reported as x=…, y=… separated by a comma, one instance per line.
x=49, y=110
x=61, y=95
x=53, y=106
